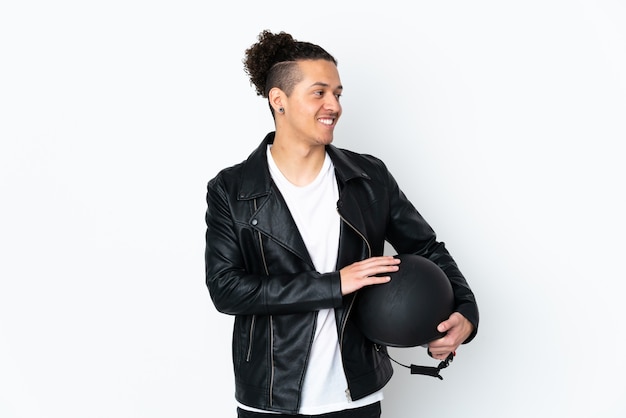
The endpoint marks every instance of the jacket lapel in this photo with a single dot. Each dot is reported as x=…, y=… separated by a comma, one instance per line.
x=274, y=219
x=271, y=215
x=353, y=244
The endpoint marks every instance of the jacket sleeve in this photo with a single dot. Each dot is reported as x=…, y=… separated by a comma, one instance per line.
x=408, y=232
x=236, y=277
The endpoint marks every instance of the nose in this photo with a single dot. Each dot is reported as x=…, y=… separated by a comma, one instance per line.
x=332, y=104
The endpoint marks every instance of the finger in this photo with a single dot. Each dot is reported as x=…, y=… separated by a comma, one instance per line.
x=383, y=259
x=442, y=327
x=449, y=323
x=378, y=265
x=381, y=269
x=373, y=280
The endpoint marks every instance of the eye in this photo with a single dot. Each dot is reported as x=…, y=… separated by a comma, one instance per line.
x=338, y=95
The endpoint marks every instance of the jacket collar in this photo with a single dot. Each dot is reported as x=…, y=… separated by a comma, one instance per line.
x=256, y=179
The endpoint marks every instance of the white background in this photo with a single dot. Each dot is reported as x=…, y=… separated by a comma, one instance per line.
x=504, y=122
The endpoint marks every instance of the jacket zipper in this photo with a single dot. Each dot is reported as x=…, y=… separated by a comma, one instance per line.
x=345, y=320
x=267, y=273
x=253, y=323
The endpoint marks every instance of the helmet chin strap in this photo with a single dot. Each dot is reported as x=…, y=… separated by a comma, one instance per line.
x=428, y=370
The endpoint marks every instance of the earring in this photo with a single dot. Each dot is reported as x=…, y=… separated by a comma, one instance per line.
x=281, y=110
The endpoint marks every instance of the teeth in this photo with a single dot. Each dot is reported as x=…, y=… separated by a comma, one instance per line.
x=326, y=121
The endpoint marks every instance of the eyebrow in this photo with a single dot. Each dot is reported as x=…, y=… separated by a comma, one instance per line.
x=321, y=84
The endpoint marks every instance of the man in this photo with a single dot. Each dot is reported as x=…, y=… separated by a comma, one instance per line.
x=294, y=232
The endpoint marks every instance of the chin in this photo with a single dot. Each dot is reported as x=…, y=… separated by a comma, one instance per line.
x=326, y=140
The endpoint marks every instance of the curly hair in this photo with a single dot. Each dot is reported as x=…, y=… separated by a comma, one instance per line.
x=271, y=61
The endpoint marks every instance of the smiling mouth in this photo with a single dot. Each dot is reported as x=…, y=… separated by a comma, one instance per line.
x=327, y=121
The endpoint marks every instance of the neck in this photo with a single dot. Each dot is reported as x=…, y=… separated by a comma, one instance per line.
x=300, y=164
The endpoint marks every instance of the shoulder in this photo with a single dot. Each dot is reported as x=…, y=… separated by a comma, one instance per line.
x=355, y=164
x=253, y=163
x=227, y=176
x=361, y=158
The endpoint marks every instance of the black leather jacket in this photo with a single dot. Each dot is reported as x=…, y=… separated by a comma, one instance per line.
x=258, y=269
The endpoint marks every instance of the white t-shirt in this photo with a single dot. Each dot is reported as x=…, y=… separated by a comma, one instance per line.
x=314, y=209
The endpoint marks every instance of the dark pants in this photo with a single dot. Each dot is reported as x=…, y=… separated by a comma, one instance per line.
x=368, y=411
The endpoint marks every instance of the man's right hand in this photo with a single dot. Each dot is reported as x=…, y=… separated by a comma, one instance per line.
x=367, y=272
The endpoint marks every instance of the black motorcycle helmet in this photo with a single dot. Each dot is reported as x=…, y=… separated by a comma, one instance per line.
x=405, y=311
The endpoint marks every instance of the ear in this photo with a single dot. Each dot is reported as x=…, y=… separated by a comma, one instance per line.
x=275, y=97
